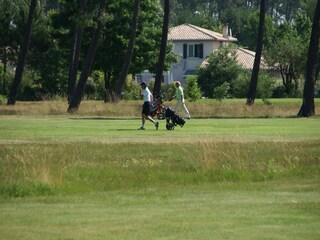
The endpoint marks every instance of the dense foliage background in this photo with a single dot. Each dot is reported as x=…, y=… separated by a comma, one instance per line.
x=288, y=27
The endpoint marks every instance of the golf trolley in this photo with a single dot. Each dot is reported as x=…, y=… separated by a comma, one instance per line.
x=172, y=118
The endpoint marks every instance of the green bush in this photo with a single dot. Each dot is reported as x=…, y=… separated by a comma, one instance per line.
x=94, y=88
x=29, y=90
x=240, y=86
x=168, y=91
x=279, y=92
x=266, y=85
x=192, y=91
x=265, y=88
x=221, y=67
x=317, y=89
x=221, y=91
x=132, y=91
x=5, y=80
x=3, y=99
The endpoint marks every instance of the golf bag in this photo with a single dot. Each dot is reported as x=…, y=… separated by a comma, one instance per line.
x=173, y=119
x=157, y=108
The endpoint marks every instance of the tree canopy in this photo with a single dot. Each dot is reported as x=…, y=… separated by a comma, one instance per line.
x=287, y=25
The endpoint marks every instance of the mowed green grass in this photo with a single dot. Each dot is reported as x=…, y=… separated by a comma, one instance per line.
x=99, y=178
x=53, y=129
x=273, y=210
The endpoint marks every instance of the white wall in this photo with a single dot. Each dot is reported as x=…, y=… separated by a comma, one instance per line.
x=146, y=76
x=191, y=63
x=178, y=70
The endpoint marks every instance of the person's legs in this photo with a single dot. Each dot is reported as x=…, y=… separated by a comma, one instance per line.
x=156, y=124
x=146, y=115
x=178, y=106
x=143, y=121
x=150, y=119
x=186, y=110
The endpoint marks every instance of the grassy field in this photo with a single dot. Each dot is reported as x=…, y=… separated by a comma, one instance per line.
x=205, y=108
x=94, y=176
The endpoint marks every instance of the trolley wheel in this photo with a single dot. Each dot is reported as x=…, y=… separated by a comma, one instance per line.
x=160, y=116
x=170, y=126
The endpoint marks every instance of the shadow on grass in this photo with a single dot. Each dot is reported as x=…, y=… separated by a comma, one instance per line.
x=104, y=118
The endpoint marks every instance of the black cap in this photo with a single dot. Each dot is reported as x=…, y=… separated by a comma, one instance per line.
x=143, y=83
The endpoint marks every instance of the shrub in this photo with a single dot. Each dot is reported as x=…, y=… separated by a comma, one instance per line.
x=94, y=88
x=279, y=92
x=317, y=89
x=132, y=91
x=192, y=91
x=240, y=86
x=168, y=91
x=221, y=91
x=3, y=99
x=222, y=67
x=266, y=85
x=28, y=89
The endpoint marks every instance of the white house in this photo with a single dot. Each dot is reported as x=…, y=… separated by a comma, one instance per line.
x=194, y=44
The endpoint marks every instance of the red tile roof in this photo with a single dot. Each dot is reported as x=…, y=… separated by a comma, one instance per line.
x=188, y=32
x=245, y=59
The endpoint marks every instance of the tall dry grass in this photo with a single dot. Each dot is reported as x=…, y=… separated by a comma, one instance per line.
x=94, y=166
x=199, y=109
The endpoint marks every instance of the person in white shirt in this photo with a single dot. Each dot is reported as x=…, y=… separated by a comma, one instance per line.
x=147, y=99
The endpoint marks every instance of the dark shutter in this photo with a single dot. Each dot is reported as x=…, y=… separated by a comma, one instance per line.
x=201, y=50
x=196, y=50
x=191, y=54
x=185, y=50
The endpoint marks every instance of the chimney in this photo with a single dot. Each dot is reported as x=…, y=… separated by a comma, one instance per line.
x=225, y=31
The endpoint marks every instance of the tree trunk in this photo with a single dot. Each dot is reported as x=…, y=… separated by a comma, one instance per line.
x=163, y=49
x=256, y=65
x=127, y=61
x=109, y=94
x=318, y=68
x=75, y=53
x=22, y=56
x=308, y=109
x=76, y=99
x=4, y=81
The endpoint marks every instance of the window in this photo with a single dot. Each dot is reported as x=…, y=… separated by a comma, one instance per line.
x=193, y=50
x=198, y=50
